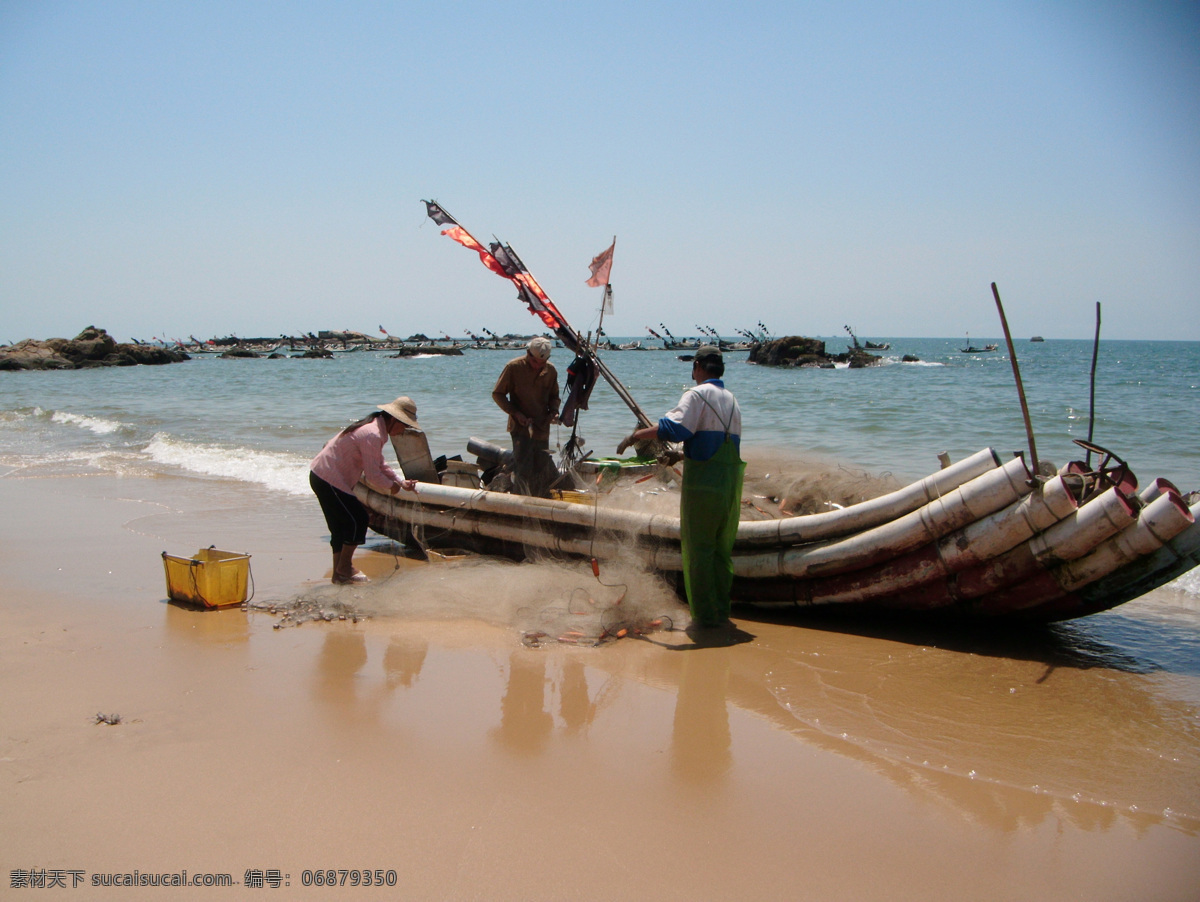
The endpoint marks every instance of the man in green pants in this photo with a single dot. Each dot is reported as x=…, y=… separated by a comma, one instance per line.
x=709, y=423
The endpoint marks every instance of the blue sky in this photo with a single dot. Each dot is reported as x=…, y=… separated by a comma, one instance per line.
x=257, y=168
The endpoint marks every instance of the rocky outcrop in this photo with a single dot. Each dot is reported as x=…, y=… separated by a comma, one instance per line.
x=797, y=351
x=90, y=348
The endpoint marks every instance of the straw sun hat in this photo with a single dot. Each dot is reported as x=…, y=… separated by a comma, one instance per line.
x=403, y=409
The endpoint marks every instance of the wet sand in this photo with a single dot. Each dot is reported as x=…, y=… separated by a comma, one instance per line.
x=427, y=739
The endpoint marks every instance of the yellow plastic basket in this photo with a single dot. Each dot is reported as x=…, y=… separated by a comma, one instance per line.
x=212, y=578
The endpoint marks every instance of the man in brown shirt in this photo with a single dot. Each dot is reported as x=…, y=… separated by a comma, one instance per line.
x=527, y=391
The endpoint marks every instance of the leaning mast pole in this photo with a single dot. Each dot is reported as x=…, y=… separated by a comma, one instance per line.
x=511, y=268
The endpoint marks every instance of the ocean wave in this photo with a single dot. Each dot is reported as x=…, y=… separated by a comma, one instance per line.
x=74, y=462
x=98, y=425
x=19, y=416
x=277, y=471
x=1189, y=584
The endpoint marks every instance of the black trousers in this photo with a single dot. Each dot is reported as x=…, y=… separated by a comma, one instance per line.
x=345, y=515
x=533, y=467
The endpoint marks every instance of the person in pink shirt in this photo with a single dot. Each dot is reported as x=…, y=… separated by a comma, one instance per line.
x=357, y=453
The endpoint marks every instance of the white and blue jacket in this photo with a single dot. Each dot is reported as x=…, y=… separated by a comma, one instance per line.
x=704, y=416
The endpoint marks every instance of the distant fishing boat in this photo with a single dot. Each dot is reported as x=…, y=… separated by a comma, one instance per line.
x=971, y=349
x=868, y=345
x=1037, y=338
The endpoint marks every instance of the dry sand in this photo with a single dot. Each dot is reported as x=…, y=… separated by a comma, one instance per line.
x=428, y=740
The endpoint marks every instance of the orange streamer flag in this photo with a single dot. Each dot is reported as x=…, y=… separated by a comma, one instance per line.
x=504, y=262
x=601, y=266
x=463, y=237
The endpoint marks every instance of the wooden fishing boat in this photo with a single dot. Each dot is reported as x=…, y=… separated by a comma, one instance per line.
x=977, y=539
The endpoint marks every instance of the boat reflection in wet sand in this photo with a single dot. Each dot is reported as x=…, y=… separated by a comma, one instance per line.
x=1012, y=728
x=977, y=539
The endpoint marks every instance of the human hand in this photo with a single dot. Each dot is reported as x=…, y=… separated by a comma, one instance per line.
x=624, y=443
x=409, y=485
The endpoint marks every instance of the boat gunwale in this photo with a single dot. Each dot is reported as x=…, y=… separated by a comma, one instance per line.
x=803, y=528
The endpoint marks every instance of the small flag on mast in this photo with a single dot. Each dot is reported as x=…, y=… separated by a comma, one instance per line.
x=608, y=307
x=601, y=266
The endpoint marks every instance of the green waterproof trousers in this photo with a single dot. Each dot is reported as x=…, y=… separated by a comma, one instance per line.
x=709, y=508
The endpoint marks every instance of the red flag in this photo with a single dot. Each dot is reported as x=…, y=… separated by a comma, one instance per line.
x=463, y=237
x=601, y=266
x=504, y=262
x=539, y=302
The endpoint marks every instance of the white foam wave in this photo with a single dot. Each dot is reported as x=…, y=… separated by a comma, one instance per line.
x=97, y=425
x=69, y=463
x=276, y=471
x=1189, y=583
x=16, y=416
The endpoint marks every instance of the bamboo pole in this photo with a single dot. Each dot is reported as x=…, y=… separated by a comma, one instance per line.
x=1092, y=395
x=1012, y=356
x=442, y=217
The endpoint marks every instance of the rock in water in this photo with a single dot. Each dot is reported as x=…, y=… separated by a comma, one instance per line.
x=90, y=348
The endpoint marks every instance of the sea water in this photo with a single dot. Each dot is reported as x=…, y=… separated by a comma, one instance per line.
x=249, y=427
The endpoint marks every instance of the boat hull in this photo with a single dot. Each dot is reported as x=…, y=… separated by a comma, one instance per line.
x=977, y=540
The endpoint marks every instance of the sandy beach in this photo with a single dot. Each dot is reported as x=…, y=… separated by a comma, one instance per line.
x=423, y=736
